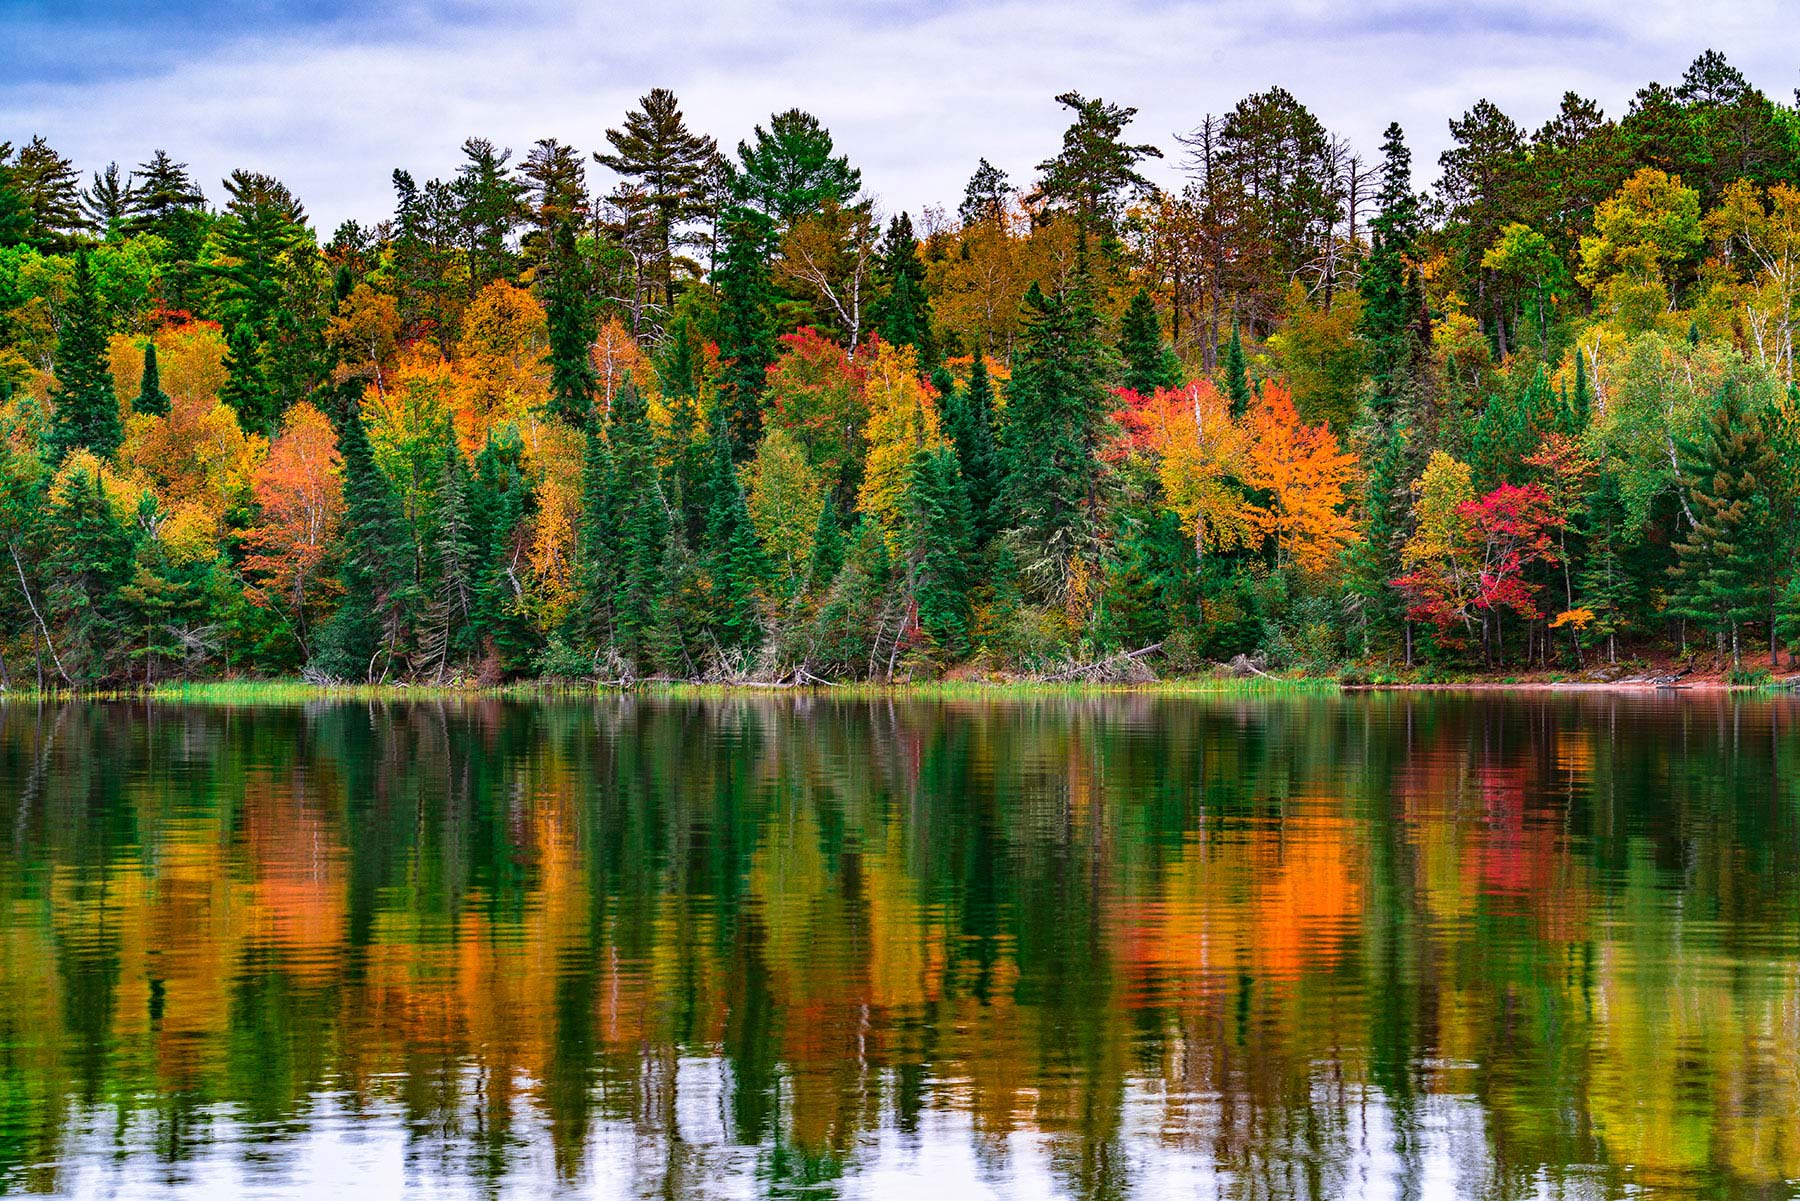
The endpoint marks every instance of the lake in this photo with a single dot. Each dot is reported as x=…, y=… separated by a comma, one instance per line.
x=1307, y=945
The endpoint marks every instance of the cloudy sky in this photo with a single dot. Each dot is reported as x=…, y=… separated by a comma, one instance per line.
x=331, y=95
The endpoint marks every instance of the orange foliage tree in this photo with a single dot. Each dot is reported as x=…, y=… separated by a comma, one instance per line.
x=300, y=503
x=1305, y=475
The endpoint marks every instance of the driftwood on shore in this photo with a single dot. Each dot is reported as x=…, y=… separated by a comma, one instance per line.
x=1122, y=666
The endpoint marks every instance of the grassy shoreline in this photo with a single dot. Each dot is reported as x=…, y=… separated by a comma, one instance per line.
x=288, y=691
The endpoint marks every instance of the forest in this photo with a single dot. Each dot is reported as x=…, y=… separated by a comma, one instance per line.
x=664, y=410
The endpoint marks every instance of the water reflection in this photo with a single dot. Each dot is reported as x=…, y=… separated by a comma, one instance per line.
x=1310, y=946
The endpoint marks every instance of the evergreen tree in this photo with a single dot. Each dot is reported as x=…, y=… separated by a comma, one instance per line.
x=1604, y=586
x=1723, y=568
x=1392, y=307
x=87, y=408
x=985, y=197
x=734, y=558
x=789, y=170
x=364, y=633
x=1237, y=375
x=574, y=382
x=497, y=501
x=669, y=164
x=1055, y=419
x=89, y=562
x=446, y=637
x=937, y=536
x=640, y=514
x=165, y=603
x=969, y=420
x=1096, y=168
x=109, y=202
x=15, y=213
x=903, y=314
x=746, y=326
x=1141, y=348
x=151, y=400
x=828, y=547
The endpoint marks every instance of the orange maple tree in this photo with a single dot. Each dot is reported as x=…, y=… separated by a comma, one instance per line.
x=300, y=499
x=1304, y=475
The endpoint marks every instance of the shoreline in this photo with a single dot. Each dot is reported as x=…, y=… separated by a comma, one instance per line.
x=299, y=691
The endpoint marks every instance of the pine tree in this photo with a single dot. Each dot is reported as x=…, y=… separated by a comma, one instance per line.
x=746, y=328
x=574, y=382
x=1722, y=570
x=669, y=164
x=109, y=201
x=1237, y=375
x=151, y=400
x=1140, y=346
x=596, y=568
x=1055, y=418
x=87, y=408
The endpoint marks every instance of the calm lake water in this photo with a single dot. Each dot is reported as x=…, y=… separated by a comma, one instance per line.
x=1309, y=946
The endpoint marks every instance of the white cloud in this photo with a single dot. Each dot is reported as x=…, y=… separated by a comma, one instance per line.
x=915, y=95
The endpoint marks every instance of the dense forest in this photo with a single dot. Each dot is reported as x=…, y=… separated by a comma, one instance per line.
x=666, y=410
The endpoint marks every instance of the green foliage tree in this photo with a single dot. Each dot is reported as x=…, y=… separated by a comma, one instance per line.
x=86, y=407
x=150, y=400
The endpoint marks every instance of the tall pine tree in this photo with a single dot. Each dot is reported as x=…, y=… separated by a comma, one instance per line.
x=87, y=408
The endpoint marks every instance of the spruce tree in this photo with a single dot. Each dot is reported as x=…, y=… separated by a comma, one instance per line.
x=497, y=500
x=903, y=314
x=1390, y=321
x=1604, y=587
x=746, y=326
x=1055, y=420
x=164, y=601
x=1141, y=348
x=87, y=408
x=1723, y=570
x=734, y=558
x=828, y=547
x=446, y=637
x=640, y=514
x=574, y=382
x=1237, y=375
x=151, y=400
x=937, y=536
x=364, y=633
x=596, y=535
x=89, y=563
x=969, y=420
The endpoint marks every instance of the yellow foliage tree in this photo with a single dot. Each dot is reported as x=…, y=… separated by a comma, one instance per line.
x=903, y=422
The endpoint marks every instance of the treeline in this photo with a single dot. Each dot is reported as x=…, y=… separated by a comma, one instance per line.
x=726, y=420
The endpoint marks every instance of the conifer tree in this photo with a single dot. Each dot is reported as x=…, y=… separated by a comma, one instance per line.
x=937, y=540
x=1237, y=375
x=746, y=328
x=497, y=501
x=904, y=314
x=446, y=636
x=734, y=557
x=151, y=400
x=969, y=420
x=1140, y=346
x=364, y=633
x=827, y=548
x=89, y=562
x=1723, y=570
x=573, y=380
x=669, y=163
x=596, y=567
x=87, y=408
x=1604, y=587
x=640, y=519
x=164, y=602
x=1055, y=417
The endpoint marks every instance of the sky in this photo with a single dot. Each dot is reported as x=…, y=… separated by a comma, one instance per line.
x=331, y=95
